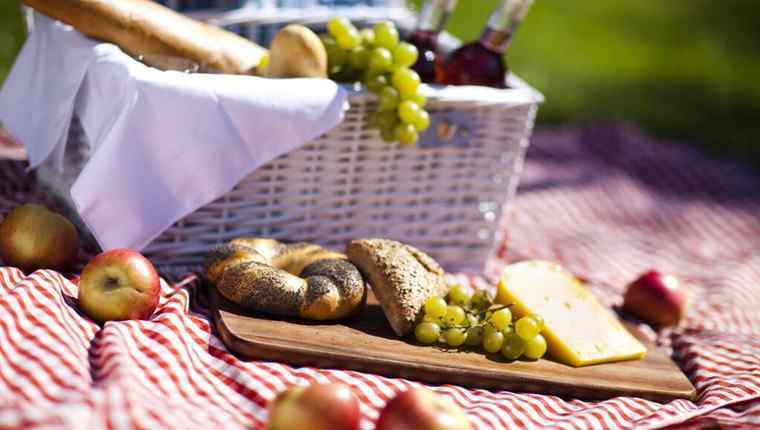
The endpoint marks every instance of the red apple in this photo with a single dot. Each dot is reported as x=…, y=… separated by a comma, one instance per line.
x=119, y=284
x=316, y=407
x=657, y=299
x=420, y=409
x=32, y=237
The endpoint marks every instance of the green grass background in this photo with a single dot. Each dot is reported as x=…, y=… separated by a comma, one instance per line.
x=11, y=34
x=685, y=69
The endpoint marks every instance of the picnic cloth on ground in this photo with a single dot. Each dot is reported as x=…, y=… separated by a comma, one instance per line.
x=604, y=201
x=152, y=132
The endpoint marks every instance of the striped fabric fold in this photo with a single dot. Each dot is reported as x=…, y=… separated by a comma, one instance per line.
x=606, y=201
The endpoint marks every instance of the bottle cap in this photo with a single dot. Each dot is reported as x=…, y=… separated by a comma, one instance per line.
x=446, y=5
x=435, y=13
x=521, y=10
x=510, y=14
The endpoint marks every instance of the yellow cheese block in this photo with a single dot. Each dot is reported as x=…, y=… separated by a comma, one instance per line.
x=578, y=329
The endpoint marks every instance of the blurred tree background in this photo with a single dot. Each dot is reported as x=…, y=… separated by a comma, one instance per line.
x=680, y=69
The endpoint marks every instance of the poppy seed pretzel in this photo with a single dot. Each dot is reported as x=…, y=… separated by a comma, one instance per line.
x=299, y=280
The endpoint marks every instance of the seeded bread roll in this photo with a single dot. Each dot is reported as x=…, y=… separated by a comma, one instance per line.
x=142, y=27
x=301, y=280
x=402, y=277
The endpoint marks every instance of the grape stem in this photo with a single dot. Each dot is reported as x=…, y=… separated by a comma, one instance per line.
x=483, y=313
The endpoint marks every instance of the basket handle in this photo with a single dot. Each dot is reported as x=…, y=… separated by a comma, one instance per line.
x=452, y=128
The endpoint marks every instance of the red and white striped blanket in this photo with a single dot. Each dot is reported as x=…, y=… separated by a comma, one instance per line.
x=603, y=201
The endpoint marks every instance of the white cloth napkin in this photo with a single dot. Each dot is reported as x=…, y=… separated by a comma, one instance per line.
x=163, y=144
x=519, y=94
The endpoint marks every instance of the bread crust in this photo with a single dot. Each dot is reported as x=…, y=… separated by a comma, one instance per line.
x=296, y=52
x=401, y=276
x=300, y=280
x=142, y=27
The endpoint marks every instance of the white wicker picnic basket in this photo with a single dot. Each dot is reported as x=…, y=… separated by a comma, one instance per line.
x=445, y=196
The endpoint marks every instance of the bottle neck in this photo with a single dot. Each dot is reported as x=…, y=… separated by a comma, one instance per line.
x=502, y=24
x=495, y=40
x=434, y=15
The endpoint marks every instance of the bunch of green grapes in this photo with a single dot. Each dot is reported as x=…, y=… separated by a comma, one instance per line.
x=460, y=319
x=375, y=57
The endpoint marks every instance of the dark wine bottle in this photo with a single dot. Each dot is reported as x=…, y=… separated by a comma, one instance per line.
x=431, y=22
x=482, y=62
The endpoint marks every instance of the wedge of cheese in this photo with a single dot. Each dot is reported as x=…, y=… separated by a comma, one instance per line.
x=578, y=329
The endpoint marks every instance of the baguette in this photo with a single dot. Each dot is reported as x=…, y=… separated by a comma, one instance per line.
x=141, y=27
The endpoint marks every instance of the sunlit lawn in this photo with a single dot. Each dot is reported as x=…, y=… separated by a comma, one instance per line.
x=11, y=34
x=686, y=69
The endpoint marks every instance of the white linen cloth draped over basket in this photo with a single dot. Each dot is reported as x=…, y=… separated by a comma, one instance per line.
x=162, y=144
x=341, y=184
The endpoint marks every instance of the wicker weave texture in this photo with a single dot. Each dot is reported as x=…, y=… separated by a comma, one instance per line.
x=348, y=184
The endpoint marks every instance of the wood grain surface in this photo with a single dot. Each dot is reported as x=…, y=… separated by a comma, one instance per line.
x=367, y=343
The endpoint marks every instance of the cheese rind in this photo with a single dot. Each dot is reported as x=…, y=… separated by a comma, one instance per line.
x=578, y=329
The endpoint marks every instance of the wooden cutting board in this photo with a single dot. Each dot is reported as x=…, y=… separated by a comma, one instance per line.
x=367, y=343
